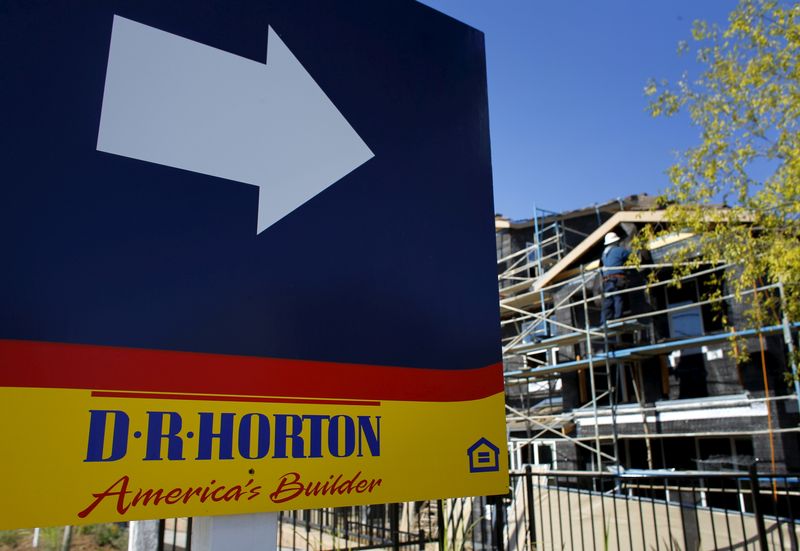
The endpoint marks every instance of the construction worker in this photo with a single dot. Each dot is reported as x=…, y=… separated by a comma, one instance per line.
x=614, y=256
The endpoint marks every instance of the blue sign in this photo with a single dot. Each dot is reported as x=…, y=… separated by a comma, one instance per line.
x=250, y=237
x=391, y=264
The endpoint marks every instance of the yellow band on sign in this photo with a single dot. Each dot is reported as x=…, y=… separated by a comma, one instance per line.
x=146, y=455
x=120, y=434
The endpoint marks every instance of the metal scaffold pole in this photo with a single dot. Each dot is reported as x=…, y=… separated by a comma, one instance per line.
x=539, y=266
x=787, y=336
x=589, y=356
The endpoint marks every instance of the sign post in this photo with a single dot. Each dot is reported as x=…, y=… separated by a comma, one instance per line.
x=254, y=531
x=250, y=261
x=143, y=535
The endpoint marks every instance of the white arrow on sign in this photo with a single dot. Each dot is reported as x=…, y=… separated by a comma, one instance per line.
x=175, y=102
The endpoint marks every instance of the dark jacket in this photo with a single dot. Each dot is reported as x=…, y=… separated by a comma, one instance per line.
x=613, y=256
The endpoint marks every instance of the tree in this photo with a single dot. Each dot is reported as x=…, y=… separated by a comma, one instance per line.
x=746, y=104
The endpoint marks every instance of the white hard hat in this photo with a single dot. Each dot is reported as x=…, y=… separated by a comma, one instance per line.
x=611, y=237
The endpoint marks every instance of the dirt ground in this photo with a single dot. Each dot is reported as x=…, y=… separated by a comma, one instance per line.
x=51, y=541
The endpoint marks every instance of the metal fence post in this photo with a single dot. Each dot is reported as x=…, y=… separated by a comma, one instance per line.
x=441, y=522
x=499, y=522
x=394, y=525
x=754, y=492
x=531, y=513
x=162, y=526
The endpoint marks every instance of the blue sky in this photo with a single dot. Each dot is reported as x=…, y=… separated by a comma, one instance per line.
x=568, y=116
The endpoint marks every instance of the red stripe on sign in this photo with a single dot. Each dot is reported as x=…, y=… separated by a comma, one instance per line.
x=217, y=398
x=57, y=365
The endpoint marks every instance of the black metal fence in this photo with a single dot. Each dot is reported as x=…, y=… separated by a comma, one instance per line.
x=558, y=510
x=572, y=510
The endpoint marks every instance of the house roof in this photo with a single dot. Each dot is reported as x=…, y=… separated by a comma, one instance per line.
x=640, y=201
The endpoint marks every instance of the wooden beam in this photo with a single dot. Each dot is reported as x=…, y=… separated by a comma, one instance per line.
x=633, y=216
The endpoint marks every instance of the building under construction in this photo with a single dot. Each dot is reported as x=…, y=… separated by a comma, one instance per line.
x=670, y=426
x=667, y=427
x=663, y=386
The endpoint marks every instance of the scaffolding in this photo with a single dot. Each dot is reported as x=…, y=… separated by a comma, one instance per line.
x=623, y=394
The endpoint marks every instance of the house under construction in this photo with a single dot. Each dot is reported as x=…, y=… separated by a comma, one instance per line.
x=615, y=428
x=658, y=388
